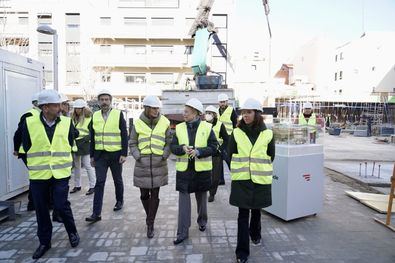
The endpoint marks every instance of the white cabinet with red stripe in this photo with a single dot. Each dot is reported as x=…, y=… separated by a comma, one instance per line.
x=298, y=181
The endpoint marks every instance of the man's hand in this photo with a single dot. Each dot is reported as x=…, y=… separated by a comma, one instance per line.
x=193, y=153
x=93, y=163
x=122, y=159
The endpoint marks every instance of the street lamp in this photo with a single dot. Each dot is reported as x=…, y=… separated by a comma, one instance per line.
x=45, y=29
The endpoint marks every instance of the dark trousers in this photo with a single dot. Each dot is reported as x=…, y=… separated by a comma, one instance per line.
x=246, y=229
x=107, y=160
x=218, y=171
x=40, y=191
x=146, y=194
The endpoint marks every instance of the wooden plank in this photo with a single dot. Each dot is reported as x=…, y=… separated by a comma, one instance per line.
x=379, y=206
x=367, y=196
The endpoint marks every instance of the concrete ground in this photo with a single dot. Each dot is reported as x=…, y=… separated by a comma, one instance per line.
x=344, y=232
x=347, y=154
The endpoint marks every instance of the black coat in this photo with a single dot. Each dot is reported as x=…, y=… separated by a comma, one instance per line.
x=246, y=193
x=191, y=181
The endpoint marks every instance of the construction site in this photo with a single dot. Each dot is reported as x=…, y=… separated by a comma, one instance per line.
x=333, y=174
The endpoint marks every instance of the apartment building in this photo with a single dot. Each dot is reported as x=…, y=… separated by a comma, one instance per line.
x=132, y=47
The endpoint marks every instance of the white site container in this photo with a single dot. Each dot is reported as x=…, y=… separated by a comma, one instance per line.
x=20, y=78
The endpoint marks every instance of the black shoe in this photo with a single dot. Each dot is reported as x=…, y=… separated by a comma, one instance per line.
x=56, y=217
x=74, y=239
x=242, y=260
x=150, y=231
x=93, y=218
x=256, y=241
x=211, y=198
x=75, y=190
x=118, y=206
x=90, y=191
x=40, y=251
x=202, y=228
x=178, y=241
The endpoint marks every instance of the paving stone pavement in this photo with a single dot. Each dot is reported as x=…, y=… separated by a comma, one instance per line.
x=343, y=232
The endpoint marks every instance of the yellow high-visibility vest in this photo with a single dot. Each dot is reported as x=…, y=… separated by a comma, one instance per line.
x=202, y=135
x=83, y=128
x=311, y=123
x=47, y=159
x=225, y=118
x=217, y=130
x=252, y=161
x=107, y=133
x=152, y=141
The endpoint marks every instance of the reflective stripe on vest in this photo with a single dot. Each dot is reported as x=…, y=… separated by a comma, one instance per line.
x=34, y=112
x=107, y=133
x=202, y=135
x=217, y=129
x=311, y=123
x=47, y=159
x=252, y=161
x=152, y=141
x=225, y=118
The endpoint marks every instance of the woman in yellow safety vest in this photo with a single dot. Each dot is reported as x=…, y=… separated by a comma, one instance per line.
x=251, y=148
x=81, y=117
x=193, y=143
x=150, y=146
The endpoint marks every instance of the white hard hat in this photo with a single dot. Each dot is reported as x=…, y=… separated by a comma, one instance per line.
x=63, y=97
x=307, y=105
x=222, y=97
x=251, y=104
x=80, y=103
x=212, y=109
x=48, y=96
x=35, y=96
x=104, y=92
x=196, y=104
x=152, y=101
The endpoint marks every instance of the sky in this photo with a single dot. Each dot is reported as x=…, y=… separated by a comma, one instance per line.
x=294, y=22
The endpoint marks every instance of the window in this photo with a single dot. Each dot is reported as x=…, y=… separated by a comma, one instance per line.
x=48, y=76
x=73, y=20
x=158, y=21
x=162, y=78
x=162, y=50
x=105, y=21
x=134, y=50
x=219, y=50
x=44, y=19
x=44, y=49
x=335, y=76
x=340, y=75
x=148, y=3
x=106, y=77
x=188, y=50
x=135, y=21
x=73, y=77
x=105, y=49
x=22, y=20
x=137, y=78
x=220, y=20
x=253, y=67
x=73, y=48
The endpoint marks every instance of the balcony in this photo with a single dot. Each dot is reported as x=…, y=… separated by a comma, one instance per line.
x=147, y=61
